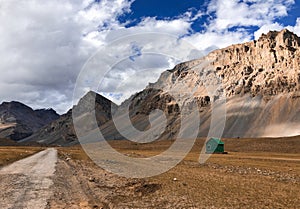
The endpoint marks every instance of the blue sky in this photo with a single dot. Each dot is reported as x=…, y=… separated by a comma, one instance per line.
x=172, y=9
x=162, y=10
x=45, y=44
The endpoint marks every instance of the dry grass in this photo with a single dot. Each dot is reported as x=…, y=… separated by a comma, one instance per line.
x=10, y=154
x=236, y=180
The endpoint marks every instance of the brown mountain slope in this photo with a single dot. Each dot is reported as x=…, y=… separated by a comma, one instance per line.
x=260, y=80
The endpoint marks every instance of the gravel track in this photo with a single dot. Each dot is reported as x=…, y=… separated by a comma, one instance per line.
x=26, y=183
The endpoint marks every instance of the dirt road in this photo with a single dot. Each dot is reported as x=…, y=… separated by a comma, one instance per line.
x=26, y=183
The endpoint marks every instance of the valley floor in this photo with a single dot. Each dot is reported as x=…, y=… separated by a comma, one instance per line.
x=244, y=178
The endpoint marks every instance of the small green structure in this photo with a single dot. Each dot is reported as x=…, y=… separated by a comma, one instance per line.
x=214, y=145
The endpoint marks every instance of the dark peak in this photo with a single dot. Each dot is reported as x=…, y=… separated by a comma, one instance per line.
x=287, y=33
x=91, y=95
x=51, y=110
x=47, y=110
x=92, y=98
x=90, y=102
x=88, y=97
x=15, y=105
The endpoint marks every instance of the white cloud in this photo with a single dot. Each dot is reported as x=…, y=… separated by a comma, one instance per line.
x=103, y=14
x=296, y=28
x=209, y=41
x=229, y=20
x=98, y=19
x=176, y=27
x=43, y=46
x=235, y=13
x=130, y=63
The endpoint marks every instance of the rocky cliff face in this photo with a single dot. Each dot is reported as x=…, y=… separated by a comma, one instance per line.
x=18, y=120
x=267, y=67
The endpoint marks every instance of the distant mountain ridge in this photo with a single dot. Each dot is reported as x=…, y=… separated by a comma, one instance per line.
x=18, y=121
x=61, y=131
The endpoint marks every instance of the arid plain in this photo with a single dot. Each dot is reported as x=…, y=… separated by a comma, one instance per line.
x=256, y=173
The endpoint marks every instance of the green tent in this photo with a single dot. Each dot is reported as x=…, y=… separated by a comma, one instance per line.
x=214, y=145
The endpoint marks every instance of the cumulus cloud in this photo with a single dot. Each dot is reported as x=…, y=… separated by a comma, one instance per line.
x=234, y=13
x=230, y=19
x=44, y=45
x=209, y=41
x=296, y=28
x=177, y=27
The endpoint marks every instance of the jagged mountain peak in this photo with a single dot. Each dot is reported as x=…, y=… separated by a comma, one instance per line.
x=279, y=40
x=61, y=131
x=92, y=95
x=50, y=110
x=283, y=37
x=92, y=100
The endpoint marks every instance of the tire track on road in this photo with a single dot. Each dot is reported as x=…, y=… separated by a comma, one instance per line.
x=26, y=183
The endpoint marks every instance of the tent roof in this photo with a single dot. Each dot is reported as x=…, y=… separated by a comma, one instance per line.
x=217, y=140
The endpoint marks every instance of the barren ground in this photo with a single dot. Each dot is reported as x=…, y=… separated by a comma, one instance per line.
x=10, y=154
x=259, y=175
x=26, y=183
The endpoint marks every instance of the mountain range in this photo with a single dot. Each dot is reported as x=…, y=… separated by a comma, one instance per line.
x=61, y=131
x=259, y=79
x=18, y=121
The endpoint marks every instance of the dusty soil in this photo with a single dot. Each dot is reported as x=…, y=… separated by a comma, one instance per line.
x=79, y=183
x=10, y=154
x=252, y=179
